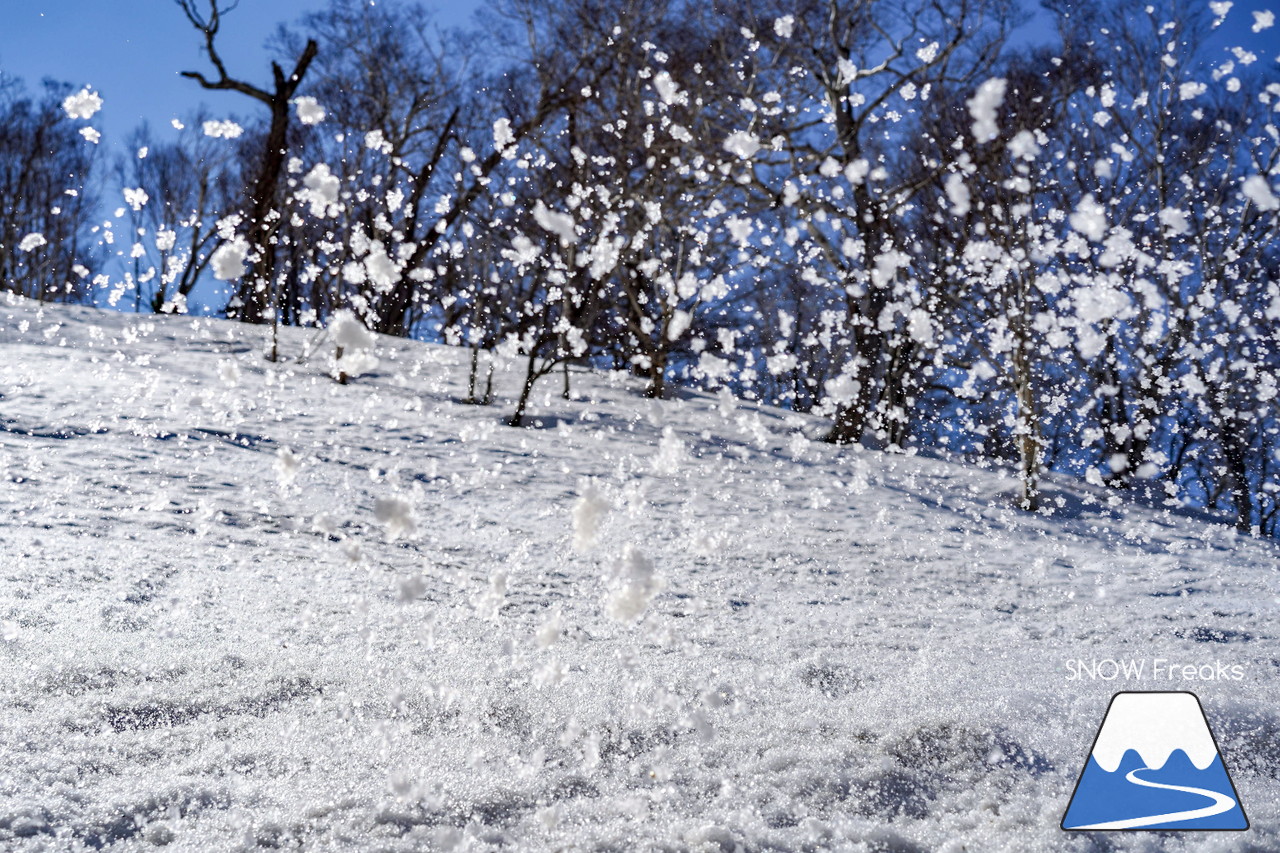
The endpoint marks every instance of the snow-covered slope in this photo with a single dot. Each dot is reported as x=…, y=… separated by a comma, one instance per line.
x=246, y=606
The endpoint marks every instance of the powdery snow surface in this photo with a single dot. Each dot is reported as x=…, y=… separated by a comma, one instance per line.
x=244, y=606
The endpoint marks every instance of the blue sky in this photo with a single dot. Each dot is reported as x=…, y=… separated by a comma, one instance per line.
x=131, y=51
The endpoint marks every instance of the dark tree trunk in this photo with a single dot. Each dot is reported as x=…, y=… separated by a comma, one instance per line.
x=849, y=423
x=1235, y=450
x=530, y=377
x=657, y=388
x=257, y=287
x=471, y=378
x=853, y=417
x=255, y=294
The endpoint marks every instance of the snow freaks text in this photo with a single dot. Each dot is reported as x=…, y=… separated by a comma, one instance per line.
x=1153, y=669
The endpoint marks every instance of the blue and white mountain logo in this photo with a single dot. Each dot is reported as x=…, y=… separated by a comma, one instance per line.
x=1154, y=765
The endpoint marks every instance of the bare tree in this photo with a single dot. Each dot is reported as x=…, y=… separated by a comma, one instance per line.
x=849, y=70
x=47, y=195
x=185, y=186
x=253, y=302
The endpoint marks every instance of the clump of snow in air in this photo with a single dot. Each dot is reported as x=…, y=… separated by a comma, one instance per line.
x=1175, y=220
x=380, y=268
x=1263, y=19
x=1258, y=190
x=523, y=251
x=742, y=144
x=229, y=260
x=229, y=372
x=560, y=224
x=1191, y=90
x=958, y=194
x=783, y=26
x=550, y=631
x=411, y=588
x=681, y=320
x=31, y=242
x=91, y=134
x=348, y=332
x=1090, y=218
x=589, y=512
x=671, y=453
x=321, y=190
x=632, y=585
x=395, y=514
x=355, y=343
x=136, y=198
x=741, y=229
x=83, y=104
x=983, y=107
x=667, y=88
x=841, y=389
x=920, y=327
x=376, y=140
x=1023, y=146
x=309, y=110
x=287, y=466
x=503, y=136
x=226, y=129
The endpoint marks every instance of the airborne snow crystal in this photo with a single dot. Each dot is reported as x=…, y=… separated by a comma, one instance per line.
x=83, y=104
x=958, y=194
x=1090, y=218
x=320, y=191
x=309, y=110
x=31, y=242
x=633, y=585
x=556, y=222
x=742, y=143
x=983, y=106
x=229, y=260
x=503, y=136
x=223, y=129
x=395, y=513
x=588, y=513
x=1258, y=190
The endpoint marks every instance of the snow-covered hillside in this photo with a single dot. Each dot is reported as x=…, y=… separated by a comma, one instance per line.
x=244, y=606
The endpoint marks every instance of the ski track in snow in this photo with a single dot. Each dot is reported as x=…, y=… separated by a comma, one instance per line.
x=852, y=650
